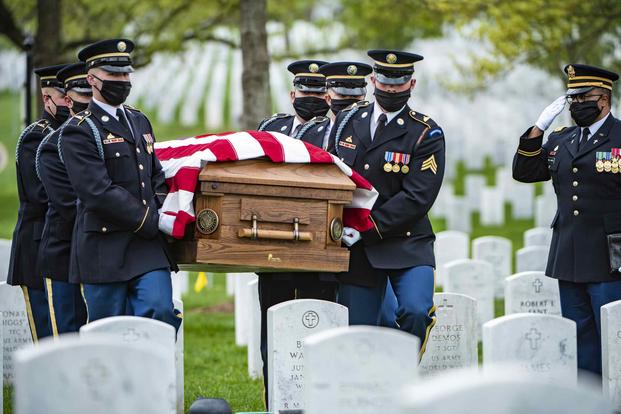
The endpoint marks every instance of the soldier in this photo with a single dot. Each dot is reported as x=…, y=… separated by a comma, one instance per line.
x=117, y=252
x=583, y=163
x=33, y=203
x=401, y=153
x=308, y=99
x=67, y=309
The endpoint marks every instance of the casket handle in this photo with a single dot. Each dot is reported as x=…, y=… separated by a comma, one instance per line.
x=255, y=233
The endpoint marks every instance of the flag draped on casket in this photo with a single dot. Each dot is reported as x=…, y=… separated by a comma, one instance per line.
x=183, y=159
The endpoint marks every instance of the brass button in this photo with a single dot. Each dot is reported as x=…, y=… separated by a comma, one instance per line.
x=366, y=166
x=117, y=154
x=142, y=168
x=575, y=170
x=408, y=234
x=104, y=229
x=575, y=198
x=575, y=183
x=576, y=212
x=138, y=150
x=142, y=184
x=144, y=202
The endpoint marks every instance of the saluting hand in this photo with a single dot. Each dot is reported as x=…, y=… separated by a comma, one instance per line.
x=550, y=113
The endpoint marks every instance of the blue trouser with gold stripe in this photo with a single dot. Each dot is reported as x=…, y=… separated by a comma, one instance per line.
x=388, y=313
x=38, y=313
x=148, y=295
x=413, y=288
x=581, y=302
x=67, y=308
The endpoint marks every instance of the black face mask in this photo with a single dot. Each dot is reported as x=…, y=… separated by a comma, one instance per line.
x=337, y=105
x=584, y=113
x=114, y=92
x=79, y=107
x=62, y=112
x=308, y=107
x=392, y=102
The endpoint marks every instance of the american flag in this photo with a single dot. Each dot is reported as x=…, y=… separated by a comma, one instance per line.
x=183, y=159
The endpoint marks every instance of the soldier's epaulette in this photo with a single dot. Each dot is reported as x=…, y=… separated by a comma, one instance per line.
x=559, y=129
x=131, y=107
x=271, y=119
x=319, y=120
x=82, y=116
x=43, y=124
x=359, y=104
x=280, y=115
x=423, y=119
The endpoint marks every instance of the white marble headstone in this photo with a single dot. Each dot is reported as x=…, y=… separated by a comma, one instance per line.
x=255, y=363
x=492, y=207
x=358, y=369
x=473, y=278
x=452, y=343
x=532, y=292
x=95, y=375
x=242, y=307
x=497, y=251
x=544, y=346
x=531, y=259
x=180, y=283
x=15, y=329
x=611, y=352
x=473, y=187
x=179, y=360
x=522, y=198
x=5, y=256
x=502, y=391
x=449, y=246
x=288, y=324
x=230, y=284
x=545, y=209
x=458, y=216
x=140, y=331
x=538, y=236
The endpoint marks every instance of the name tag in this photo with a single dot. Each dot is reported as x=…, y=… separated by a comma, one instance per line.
x=113, y=140
x=347, y=145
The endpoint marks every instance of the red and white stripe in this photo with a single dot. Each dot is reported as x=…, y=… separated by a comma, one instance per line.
x=183, y=159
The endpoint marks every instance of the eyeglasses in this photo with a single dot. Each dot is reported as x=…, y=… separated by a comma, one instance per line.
x=581, y=98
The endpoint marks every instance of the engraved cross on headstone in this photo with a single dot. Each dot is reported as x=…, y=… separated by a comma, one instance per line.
x=537, y=285
x=130, y=335
x=445, y=305
x=534, y=336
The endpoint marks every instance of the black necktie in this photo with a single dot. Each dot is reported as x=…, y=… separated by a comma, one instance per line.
x=123, y=120
x=381, y=124
x=296, y=130
x=584, y=138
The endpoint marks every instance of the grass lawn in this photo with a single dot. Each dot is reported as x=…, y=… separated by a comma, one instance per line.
x=214, y=366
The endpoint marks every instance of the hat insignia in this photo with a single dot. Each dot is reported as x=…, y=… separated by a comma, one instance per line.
x=571, y=72
x=391, y=58
x=313, y=67
x=121, y=46
x=352, y=70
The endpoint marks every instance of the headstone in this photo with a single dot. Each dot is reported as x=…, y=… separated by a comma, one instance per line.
x=440, y=206
x=502, y=391
x=544, y=346
x=545, y=209
x=358, y=369
x=531, y=259
x=497, y=251
x=473, y=186
x=242, y=307
x=15, y=329
x=96, y=375
x=255, y=363
x=522, y=199
x=180, y=283
x=532, y=292
x=5, y=256
x=538, y=236
x=611, y=352
x=474, y=278
x=449, y=246
x=453, y=340
x=140, y=331
x=458, y=215
x=230, y=284
x=288, y=324
x=179, y=360
x=492, y=207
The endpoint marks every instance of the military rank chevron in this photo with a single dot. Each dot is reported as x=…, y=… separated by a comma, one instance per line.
x=430, y=164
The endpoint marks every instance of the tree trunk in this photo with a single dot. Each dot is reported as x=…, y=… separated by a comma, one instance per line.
x=47, y=46
x=255, y=57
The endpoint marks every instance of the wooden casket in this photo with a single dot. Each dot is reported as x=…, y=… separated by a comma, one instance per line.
x=257, y=215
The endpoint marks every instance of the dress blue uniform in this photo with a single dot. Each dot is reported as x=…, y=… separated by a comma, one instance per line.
x=404, y=161
x=275, y=288
x=67, y=308
x=585, y=174
x=118, y=252
x=31, y=214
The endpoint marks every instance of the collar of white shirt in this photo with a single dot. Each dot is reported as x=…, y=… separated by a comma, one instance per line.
x=593, y=128
x=377, y=111
x=296, y=122
x=111, y=110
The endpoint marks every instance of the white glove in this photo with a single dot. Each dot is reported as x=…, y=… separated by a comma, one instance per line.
x=165, y=223
x=350, y=236
x=550, y=113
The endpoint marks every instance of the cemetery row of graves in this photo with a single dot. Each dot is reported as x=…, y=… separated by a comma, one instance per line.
x=318, y=363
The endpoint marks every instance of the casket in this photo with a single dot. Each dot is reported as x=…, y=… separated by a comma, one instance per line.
x=257, y=215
